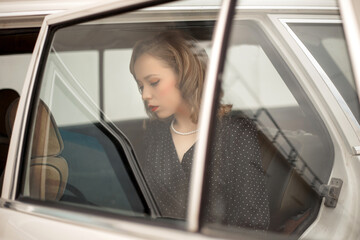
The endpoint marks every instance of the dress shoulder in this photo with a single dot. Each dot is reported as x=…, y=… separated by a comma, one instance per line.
x=238, y=178
x=236, y=124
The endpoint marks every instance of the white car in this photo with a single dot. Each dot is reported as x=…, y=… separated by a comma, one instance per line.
x=72, y=129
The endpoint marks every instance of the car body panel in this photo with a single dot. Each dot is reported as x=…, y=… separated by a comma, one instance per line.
x=25, y=220
x=28, y=221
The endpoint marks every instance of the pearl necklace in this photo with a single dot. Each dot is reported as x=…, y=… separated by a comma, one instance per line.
x=181, y=133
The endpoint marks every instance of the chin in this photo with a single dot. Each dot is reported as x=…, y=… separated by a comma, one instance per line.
x=163, y=115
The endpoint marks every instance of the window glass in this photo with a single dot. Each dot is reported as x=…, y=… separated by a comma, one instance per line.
x=116, y=66
x=271, y=152
x=326, y=42
x=74, y=155
x=15, y=54
x=12, y=75
x=13, y=70
x=110, y=93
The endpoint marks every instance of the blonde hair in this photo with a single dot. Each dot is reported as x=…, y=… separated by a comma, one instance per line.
x=185, y=57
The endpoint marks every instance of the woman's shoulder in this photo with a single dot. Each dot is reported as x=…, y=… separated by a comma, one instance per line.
x=236, y=121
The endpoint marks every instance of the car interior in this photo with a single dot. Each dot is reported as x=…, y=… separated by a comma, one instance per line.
x=48, y=170
x=7, y=96
x=13, y=42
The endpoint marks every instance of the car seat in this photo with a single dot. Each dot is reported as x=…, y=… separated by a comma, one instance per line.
x=292, y=200
x=48, y=170
x=7, y=96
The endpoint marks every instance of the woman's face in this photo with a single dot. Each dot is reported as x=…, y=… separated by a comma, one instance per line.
x=157, y=85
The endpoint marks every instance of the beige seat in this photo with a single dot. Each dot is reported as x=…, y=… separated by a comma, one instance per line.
x=292, y=200
x=48, y=170
x=7, y=96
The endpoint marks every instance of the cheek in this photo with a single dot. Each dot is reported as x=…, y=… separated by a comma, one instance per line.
x=167, y=89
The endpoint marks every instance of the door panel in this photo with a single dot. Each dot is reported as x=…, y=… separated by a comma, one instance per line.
x=86, y=121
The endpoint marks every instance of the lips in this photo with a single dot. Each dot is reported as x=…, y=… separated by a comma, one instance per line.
x=153, y=108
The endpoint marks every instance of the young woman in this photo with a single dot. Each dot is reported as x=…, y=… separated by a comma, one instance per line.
x=169, y=70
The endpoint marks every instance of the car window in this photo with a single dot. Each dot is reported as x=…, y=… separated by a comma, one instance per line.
x=326, y=43
x=75, y=158
x=16, y=46
x=91, y=135
x=15, y=52
x=271, y=151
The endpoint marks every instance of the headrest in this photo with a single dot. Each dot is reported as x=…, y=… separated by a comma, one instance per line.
x=47, y=140
x=7, y=96
x=48, y=171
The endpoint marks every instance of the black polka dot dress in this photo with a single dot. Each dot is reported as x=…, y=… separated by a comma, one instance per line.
x=236, y=193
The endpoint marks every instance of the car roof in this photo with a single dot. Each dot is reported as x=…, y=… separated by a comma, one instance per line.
x=30, y=13
x=28, y=6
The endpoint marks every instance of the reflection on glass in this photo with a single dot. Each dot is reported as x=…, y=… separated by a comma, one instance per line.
x=326, y=42
x=280, y=152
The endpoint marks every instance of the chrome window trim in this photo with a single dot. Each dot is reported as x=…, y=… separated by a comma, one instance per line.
x=349, y=115
x=349, y=10
x=212, y=78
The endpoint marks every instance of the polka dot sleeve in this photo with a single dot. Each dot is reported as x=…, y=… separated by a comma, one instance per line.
x=237, y=188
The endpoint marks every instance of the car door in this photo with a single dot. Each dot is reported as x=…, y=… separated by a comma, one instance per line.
x=73, y=162
x=269, y=77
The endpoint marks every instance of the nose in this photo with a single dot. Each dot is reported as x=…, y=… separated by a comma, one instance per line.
x=146, y=93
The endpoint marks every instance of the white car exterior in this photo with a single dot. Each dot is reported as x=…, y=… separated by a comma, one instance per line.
x=37, y=219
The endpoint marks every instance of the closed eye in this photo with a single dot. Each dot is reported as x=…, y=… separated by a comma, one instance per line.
x=154, y=84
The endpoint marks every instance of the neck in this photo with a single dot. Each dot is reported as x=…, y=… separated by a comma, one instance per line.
x=184, y=123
